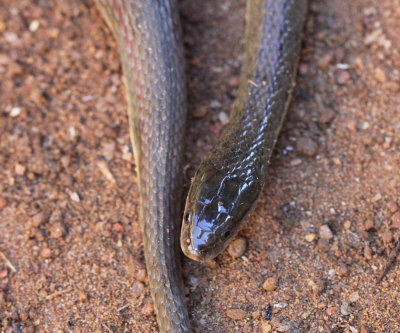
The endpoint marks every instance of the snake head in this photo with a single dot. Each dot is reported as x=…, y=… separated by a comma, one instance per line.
x=216, y=207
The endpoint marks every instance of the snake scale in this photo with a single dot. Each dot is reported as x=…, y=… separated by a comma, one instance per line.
x=230, y=179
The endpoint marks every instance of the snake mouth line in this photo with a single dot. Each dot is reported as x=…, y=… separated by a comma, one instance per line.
x=190, y=252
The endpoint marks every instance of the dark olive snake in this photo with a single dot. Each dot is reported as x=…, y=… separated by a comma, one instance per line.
x=231, y=177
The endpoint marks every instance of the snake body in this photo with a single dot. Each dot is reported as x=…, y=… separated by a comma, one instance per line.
x=149, y=42
x=230, y=179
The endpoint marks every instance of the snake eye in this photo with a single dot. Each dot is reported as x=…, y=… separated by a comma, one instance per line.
x=187, y=217
x=226, y=233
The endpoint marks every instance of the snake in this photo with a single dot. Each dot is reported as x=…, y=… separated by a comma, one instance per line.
x=229, y=180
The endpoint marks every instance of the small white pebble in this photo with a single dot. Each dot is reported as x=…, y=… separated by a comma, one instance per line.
x=88, y=98
x=72, y=132
x=75, y=197
x=295, y=162
x=34, y=25
x=343, y=66
x=15, y=111
x=215, y=104
x=365, y=125
x=223, y=118
x=325, y=232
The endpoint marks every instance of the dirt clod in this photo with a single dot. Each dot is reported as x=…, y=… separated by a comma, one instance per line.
x=325, y=232
x=270, y=284
x=236, y=314
x=237, y=248
x=307, y=147
x=148, y=308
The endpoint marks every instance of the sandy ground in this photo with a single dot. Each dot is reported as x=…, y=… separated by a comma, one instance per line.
x=71, y=254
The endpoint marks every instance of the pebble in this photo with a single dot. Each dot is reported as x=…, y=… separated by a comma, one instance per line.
x=396, y=220
x=57, y=230
x=392, y=206
x=3, y=274
x=234, y=81
x=141, y=274
x=108, y=151
x=326, y=116
x=270, y=284
x=325, y=232
x=303, y=69
x=75, y=197
x=237, y=248
x=266, y=327
x=200, y=112
x=358, y=64
x=34, y=25
x=137, y=289
x=372, y=37
x=331, y=310
x=337, y=161
x=3, y=203
x=342, y=77
x=148, y=309
x=223, y=118
x=15, y=111
x=319, y=287
x=380, y=75
x=310, y=237
x=45, y=253
x=82, y=297
x=377, y=197
x=255, y=314
x=236, y=314
x=295, y=162
x=352, y=126
x=344, y=309
x=215, y=105
x=368, y=225
x=367, y=252
x=307, y=146
x=387, y=237
x=354, y=297
x=20, y=169
x=325, y=61
x=55, y=217
x=342, y=270
x=118, y=227
x=23, y=315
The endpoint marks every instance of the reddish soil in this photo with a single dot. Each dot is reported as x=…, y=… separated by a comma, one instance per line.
x=71, y=253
